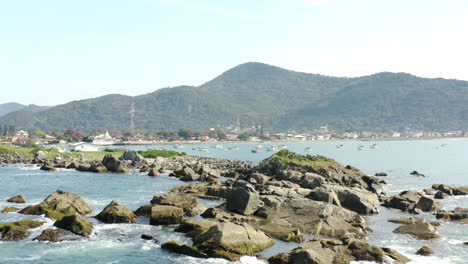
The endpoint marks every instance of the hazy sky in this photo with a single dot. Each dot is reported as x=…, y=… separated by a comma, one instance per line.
x=52, y=52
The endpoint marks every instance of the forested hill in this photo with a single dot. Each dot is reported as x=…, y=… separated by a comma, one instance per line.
x=273, y=97
x=10, y=107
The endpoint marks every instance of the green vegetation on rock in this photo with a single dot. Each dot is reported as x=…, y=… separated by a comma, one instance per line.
x=316, y=161
x=151, y=154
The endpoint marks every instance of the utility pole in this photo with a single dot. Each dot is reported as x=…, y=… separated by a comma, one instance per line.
x=132, y=118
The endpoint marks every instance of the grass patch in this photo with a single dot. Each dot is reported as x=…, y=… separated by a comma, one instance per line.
x=151, y=154
x=316, y=161
x=23, y=223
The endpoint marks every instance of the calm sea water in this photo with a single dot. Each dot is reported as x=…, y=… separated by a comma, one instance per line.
x=443, y=161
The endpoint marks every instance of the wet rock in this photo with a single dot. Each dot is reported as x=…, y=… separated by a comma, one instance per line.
x=17, y=230
x=458, y=214
x=9, y=210
x=16, y=199
x=147, y=237
x=429, y=191
x=51, y=235
x=48, y=167
x=75, y=224
x=114, y=165
x=240, y=239
x=381, y=174
x=177, y=248
x=411, y=201
x=188, y=203
x=460, y=190
x=420, y=230
x=425, y=251
x=97, y=168
x=405, y=220
x=416, y=173
x=194, y=227
x=116, y=213
x=166, y=215
x=153, y=172
x=143, y=211
x=441, y=195
x=243, y=199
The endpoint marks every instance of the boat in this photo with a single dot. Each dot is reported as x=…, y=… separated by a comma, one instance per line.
x=340, y=146
x=308, y=149
x=283, y=146
x=256, y=150
x=374, y=146
x=219, y=147
x=361, y=147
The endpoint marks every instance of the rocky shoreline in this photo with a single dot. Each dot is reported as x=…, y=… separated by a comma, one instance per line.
x=311, y=200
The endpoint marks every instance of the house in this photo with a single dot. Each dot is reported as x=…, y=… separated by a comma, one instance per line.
x=83, y=147
x=20, y=137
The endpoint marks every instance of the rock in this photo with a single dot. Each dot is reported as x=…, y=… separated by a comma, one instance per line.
x=407, y=220
x=240, y=239
x=41, y=155
x=114, y=165
x=143, y=211
x=153, y=172
x=175, y=247
x=115, y=213
x=48, y=167
x=17, y=199
x=243, y=199
x=75, y=224
x=441, y=195
x=131, y=155
x=187, y=174
x=416, y=173
x=146, y=237
x=419, y=230
x=194, y=227
x=51, y=235
x=97, y=168
x=166, y=215
x=458, y=214
x=381, y=174
x=260, y=178
x=425, y=251
x=460, y=190
x=409, y=201
x=354, y=199
x=188, y=203
x=17, y=230
x=9, y=210
x=429, y=191
x=59, y=204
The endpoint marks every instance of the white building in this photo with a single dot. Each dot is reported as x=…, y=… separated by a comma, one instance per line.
x=103, y=139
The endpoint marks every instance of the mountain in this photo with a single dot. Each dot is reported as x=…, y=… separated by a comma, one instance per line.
x=10, y=107
x=272, y=97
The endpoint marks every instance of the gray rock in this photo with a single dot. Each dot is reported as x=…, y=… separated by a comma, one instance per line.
x=419, y=230
x=116, y=213
x=113, y=164
x=131, y=155
x=243, y=200
x=166, y=215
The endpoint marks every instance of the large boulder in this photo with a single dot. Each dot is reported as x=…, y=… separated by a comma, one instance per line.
x=406, y=220
x=131, y=155
x=9, y=210
x=17, y=230
x=354, y=199
x=240, y=239
x=458, y=214
x=425, y=251
x=336, y=252
x=16, y=199
x=166, y=215
x=188, y=203
x=411, y=201
x=177, y=248
x=75, y=224
x=97, y=167
x=113, y=164
x=419, y=230
x=59, y=204
x=243, y=199
x=51, y=235
x=116, y=213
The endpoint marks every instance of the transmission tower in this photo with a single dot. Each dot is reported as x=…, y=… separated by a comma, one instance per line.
x=132, y=117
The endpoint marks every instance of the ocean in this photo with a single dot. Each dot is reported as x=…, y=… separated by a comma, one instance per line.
x=442, y=161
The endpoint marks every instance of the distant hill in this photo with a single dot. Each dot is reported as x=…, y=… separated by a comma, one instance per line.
x=272, y=97
x=10, y=107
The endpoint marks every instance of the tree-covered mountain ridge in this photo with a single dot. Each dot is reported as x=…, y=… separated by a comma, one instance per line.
x=273, y=97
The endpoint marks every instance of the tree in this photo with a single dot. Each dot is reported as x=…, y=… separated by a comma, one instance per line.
x=243, y=137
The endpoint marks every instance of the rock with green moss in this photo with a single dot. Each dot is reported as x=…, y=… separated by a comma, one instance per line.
x=240, y=239
x=9, y=210
x=17, y=230
x=116, y=213
x=175, y=247
x=51, y=235
x=16, y=199
x=187, y=202
x=194, y=228
x=75, y=224
x=59, y=204
x=166, y=215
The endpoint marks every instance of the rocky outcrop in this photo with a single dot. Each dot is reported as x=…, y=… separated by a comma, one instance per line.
x=337, y=252
x=458, y=214
x=188, y=203
x=153, y=172
x=449, y=190
x=17, y=230
x=186, y=174
x=411, y=201
x=227, y=238
x=9, y=210
x=420, y=230
x=58, y=205
x=177, y=248
x=166, y=215
x=354, y=199
x=416, y=173
x=113, y=164
x=131, y=155
x=243, y=199
x=425, y=251
x=51, y=235
x=75, y=224
x=380, y=174
x=48, y=166
x=16, y=199
x=116, y=213
x=193, y=228
x=405, y=220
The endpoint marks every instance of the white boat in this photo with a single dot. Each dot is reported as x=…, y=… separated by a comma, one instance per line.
x=308, y=149
x=283, y=146
x=340, y=146
x=361, y=147
x=374, y=146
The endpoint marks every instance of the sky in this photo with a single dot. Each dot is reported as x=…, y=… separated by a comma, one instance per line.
x=56, y=51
